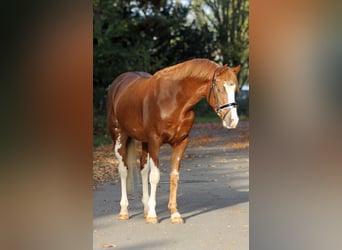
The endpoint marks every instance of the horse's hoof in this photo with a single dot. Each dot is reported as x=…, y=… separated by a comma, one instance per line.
x=123, y=216
x=177, y=220
x=145, y=214
x=151, y=220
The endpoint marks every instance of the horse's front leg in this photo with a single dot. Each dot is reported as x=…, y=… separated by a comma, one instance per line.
x=177, y=153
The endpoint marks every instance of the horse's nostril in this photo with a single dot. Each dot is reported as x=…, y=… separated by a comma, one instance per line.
x=234, y=121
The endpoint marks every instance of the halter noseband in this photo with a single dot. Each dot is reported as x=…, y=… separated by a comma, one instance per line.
x=224, y=106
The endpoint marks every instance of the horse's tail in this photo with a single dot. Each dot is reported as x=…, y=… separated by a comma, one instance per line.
x=132, y=168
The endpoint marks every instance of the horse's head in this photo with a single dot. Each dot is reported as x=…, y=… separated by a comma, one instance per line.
x=221, y=96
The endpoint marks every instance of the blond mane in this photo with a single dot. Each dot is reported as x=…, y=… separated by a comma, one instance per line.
x=201, y=69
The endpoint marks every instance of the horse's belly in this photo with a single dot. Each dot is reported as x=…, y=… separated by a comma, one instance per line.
x=137, y=133
x=132, y=126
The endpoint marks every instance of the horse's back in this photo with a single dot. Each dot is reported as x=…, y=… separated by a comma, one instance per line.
x=126, y=78
x=120, y=88
x=142, y=74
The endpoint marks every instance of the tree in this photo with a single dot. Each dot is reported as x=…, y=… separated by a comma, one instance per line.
x=147, y=35
x=142, y=36
x=230, y=21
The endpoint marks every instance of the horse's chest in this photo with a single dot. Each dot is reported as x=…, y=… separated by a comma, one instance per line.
x=176, y=130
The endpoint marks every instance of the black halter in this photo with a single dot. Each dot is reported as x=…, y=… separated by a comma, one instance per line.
x=217, y=107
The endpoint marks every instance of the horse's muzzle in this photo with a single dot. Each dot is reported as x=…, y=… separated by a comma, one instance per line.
x=231, y=119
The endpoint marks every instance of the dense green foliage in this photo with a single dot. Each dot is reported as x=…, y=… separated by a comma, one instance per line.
x=144, y=35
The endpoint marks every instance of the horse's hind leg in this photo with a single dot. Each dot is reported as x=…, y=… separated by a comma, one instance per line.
x=153, y=149
x=120, y=153
x=144, y=166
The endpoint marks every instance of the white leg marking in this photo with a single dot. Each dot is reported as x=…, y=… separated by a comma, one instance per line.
x=123, y=176
x=144, y=177
x=175, y=171
x=175, y=215
x=154, y=180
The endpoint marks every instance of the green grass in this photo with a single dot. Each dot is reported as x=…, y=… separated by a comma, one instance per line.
x=215, y=118
x=99, y=140
x=243, y=117
x=100, y=132
x=208, y=118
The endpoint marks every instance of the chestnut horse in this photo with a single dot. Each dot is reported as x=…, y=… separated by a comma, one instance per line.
x=157, y=109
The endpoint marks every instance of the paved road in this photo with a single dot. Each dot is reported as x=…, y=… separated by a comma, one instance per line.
x=212, y=198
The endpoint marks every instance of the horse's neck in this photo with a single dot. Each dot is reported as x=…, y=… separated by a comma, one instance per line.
x=193, y=90
x=193, y=80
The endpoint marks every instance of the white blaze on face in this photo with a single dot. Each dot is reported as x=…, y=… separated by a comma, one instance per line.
x=233, y=116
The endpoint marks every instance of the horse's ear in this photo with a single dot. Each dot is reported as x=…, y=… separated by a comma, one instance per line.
x=236, y=69
x=222, y=69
